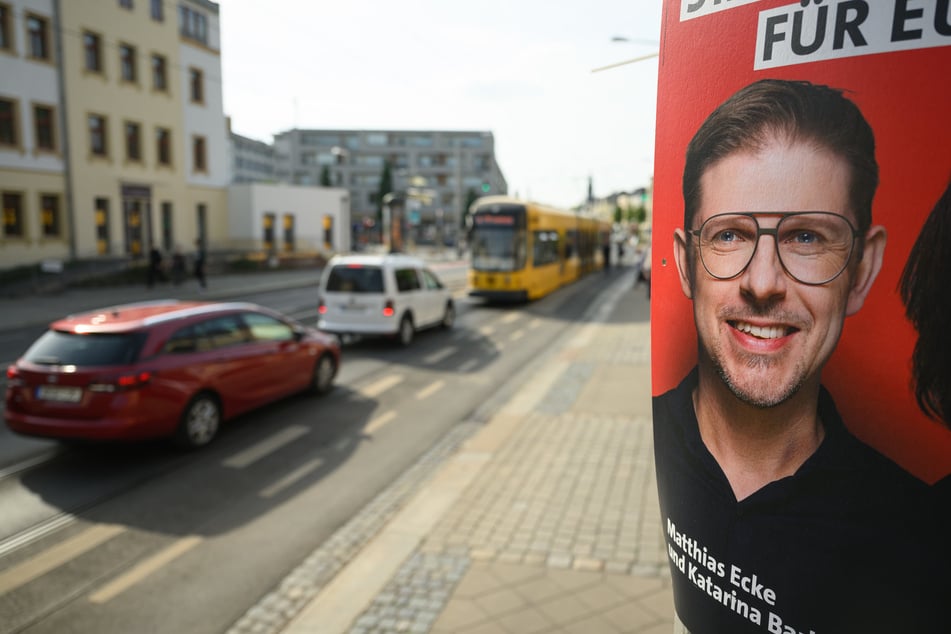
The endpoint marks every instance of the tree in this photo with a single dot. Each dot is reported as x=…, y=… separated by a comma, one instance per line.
x=618, y=214
x=386, y=186
x=325, y=177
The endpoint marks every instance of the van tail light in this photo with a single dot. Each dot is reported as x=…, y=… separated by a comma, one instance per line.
x=122, y=383
x=321, y=307
x=388, y=310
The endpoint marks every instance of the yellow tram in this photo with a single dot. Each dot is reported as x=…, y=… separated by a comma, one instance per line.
x=523, y=250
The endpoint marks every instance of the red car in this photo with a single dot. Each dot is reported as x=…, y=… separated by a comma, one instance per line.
x=166, y=368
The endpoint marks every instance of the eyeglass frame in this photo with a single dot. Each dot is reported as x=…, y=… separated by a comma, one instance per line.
x=773, y=231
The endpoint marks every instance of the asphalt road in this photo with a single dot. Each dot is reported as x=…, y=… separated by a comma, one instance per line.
x=121, y=539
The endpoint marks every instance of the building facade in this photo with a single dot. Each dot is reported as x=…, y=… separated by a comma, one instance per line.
x=280, y=218
x=252, y=161
x=441, y=171
x=140, y=141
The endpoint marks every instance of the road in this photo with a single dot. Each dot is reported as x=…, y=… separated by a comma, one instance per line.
x=143, y=538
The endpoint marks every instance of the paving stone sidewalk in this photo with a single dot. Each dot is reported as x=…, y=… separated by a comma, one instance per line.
x=560, y=531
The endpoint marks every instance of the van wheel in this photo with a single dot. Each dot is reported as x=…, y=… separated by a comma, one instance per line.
x=448, y=317
x=406, y=330
x=200, y=422
x=324, y=372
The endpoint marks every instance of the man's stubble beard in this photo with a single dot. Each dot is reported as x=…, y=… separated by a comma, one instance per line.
x=759, y=396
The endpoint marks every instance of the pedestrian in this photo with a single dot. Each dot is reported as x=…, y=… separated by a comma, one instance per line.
x=200, y=263
x=156, y=268
x=776, y=516
x=178, y=267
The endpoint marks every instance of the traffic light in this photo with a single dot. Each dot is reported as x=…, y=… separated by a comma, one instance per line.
x=485, y=188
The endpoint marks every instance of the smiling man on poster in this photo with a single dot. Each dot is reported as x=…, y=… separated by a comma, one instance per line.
x=777, y=518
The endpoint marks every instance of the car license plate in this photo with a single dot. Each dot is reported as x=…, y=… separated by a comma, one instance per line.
x=59, y=393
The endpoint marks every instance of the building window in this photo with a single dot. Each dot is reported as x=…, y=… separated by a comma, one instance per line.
x=6, y=39
x=102, y=225
x=198, y=154
x=127, y=62
x=133, y=141
x=196, y=85
x=98, y=140
x=44, y=128
x=13, y=226
x=9, y=130
x=126, y=4
x=192, y=24
x=158, y=10
x=163, y=146
x=92, y=47
x=159, y=73
x=38, y=39
x=50, y=216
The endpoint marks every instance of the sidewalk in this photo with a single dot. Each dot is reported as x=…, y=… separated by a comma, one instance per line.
x=545, y=519
x=42, y=309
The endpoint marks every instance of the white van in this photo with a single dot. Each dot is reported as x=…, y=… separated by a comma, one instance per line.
x=392, y=295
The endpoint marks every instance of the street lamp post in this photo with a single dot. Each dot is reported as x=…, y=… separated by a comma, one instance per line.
x=640, y=58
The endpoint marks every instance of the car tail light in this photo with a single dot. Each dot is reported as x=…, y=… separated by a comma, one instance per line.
x=13, y=376
x=388, y=310
x=122, y=383
x=321, y=307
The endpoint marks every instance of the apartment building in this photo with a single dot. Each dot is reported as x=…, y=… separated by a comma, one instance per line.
x=442, y=171
x=140, y=141
x=36, y=221
x=252, y=161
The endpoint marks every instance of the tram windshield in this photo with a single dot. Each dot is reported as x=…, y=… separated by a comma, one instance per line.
x=498, y=248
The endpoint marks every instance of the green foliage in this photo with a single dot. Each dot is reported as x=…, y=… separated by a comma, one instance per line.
x=325, y=176
x=618, y=214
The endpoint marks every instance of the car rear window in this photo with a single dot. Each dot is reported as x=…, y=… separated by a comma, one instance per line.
x=355, y=279
x=63, y=348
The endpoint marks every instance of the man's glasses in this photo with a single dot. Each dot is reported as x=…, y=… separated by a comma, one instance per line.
x=814, y=247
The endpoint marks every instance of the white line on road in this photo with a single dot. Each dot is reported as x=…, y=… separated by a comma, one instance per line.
x=293, y=477
x=265, y=447
x=518, y=334
x=486, y=331
x=468, y=366
x=56, y=556
x=375, y=389
x=439, y=355
x=429, y=390
x=374, y=425
x=143, y=569
x=510, y=317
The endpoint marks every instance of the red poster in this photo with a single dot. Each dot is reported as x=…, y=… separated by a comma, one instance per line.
x=890, y=60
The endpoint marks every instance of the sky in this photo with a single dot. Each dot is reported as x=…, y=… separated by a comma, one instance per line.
x=521, y=69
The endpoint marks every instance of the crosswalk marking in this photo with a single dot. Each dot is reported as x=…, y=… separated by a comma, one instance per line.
x=143, y=569
x=265, y=447
x=56, y=556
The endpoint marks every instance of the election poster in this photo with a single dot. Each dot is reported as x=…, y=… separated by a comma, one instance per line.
x=780, y=126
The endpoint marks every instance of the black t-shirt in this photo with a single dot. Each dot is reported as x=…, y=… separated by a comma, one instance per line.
x=849, y=543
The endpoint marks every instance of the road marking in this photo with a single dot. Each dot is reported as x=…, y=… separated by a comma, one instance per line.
x=143, y=569
x=378, y=422
x=468, y=366
x=518, y=334
x=293, y=477
x=535, y=323
x=486, y=331
x=375, y=389
x=439, y=355
x=429, y=390
x=57, y=556
x=265, y=447
x=509, y=318
x=23, y=465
